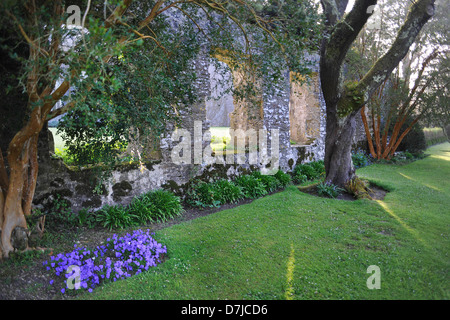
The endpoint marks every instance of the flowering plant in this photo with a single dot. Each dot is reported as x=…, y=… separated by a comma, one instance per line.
x=117, y=258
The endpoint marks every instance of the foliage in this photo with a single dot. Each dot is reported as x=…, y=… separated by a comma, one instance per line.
x=213, y=194
x=227, y=191
x=308, y=171
x=163, y=205
x=58, y=215
x=202, y=194
x=360, y=159
x=327, y=189
x=283, y=178
x=252, y=187
x=153, y=206
x=319, y=167
x=270, y=182
x=116, y=217
x=102, y=124
x=140, y=207
x=62, y=154
x=118, y=258
x=87, y=218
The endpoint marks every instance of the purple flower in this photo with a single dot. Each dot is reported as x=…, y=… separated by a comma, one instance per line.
x=133, y=253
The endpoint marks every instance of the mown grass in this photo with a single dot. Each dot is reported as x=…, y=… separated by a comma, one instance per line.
x=292, y=245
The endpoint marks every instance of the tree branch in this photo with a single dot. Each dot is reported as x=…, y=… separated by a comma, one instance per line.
x=420, y=12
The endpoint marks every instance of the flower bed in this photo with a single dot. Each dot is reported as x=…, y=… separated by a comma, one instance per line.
x=118, y=258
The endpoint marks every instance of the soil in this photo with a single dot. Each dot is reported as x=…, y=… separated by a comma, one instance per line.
x=375, y=192
x=30, y=281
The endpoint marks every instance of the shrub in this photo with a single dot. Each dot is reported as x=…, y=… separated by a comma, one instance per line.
x=306, y=170
x=283, y=178
x=328, y=190
x=158, y=205
x=86, y=218
x=161, y=205
x=319, y=167
x=270, y=182
x=202, y=194
x=360, y=159
x=116, y=216
x=298, y=177
x=58, y=214
x=227, y=192
x=252, y=187
x=140, y=207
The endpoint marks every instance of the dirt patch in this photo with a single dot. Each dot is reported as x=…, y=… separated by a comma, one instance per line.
x=376, y=193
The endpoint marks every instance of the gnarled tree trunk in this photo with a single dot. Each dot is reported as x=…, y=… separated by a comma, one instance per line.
x=18, y=189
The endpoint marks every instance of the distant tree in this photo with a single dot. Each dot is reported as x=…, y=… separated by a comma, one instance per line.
x=398, y=105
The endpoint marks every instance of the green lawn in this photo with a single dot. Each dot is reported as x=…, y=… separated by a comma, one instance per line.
x=292, y=245
x=58, y=141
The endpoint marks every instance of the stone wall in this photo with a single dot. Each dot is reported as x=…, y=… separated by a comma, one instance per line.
x=83, y=189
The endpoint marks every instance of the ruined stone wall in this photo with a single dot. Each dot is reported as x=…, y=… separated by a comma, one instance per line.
x=83, y=189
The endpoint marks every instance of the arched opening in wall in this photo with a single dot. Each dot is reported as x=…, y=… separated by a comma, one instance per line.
x=232, y=111
x=304, y=109
x=220, y=105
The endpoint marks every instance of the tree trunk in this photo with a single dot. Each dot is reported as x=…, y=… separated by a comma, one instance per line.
x=338, y=155
x=21, y=183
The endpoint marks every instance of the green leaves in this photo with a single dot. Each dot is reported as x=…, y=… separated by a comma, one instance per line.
x=329, y=190
x=153, y=206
